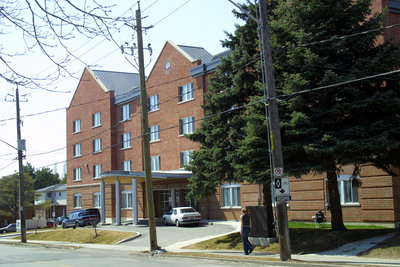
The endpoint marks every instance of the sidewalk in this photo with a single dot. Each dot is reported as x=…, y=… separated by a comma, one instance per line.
x=342, y=255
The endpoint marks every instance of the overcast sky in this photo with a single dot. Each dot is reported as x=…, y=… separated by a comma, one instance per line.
x=195, y=23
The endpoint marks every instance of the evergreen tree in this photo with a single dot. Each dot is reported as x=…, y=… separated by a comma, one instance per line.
x=9, y=194
x=353, y=123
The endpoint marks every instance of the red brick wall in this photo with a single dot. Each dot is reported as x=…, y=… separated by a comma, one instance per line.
x=378, y=197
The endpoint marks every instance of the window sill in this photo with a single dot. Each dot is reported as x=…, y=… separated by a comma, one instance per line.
x=350, y=204
x=78, y=156
x=231, y=208
x=77, y=181
x=77, y=208
x=155, y=141
x=185, y=101
x=125, y=148
x=151, y=111
x=76, y=132
x=96, y=126
x=128, y=119
x=97, y=152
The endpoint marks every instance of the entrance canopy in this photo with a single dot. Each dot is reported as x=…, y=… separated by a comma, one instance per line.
x=110, y=177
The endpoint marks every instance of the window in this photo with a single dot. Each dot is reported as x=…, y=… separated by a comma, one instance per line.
x=185, y=157
x=77, y=126
x=230, y=195
x=348, y=189
x=77, y=174
x=126, y=140
x=49, y=194
x=186, y=125
x=96, y=200
x=153, y=103
x=155, y=133
x=125, y=112
x=126, y=199
x=186, y=92
x=97, y=170
x=78, y=201
x=126, y=165
x=156, y=163
x=97, y=145
x=394, y=6
x=96, y=119
x=77, y=150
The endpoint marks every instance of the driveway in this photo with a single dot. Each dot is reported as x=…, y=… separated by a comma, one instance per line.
x=168, y=236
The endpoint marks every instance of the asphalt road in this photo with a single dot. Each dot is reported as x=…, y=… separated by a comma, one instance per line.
x=38, y=256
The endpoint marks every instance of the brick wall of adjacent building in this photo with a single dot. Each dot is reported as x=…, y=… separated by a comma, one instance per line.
x=378, y=197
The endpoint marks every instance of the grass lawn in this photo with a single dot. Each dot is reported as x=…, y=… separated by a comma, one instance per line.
x=80, y=235
x=304, y=238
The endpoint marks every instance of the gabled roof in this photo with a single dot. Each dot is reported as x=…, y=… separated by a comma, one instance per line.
x=56, y=187
x=197, y=53
x=210, y=66
x=119, y=82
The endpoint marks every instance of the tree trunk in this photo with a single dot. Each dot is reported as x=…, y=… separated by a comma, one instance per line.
x=334, y=200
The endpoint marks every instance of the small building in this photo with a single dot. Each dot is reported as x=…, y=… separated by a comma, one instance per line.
x=51, y=199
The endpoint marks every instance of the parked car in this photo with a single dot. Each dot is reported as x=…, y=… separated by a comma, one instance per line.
x=12, y=227
x=182, y=215
x=81, y=218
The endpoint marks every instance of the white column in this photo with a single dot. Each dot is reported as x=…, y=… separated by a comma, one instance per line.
x=134, y=202
x=117, y=202
x=103, y=202
x=172, y=198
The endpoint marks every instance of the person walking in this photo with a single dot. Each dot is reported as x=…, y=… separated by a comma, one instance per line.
x=245, y=231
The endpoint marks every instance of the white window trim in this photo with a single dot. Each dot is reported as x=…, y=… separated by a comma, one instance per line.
x=97, y=125
x=94, y=146
x=95, y=195
x=80, y=127
x=123, y=111
x=80, y=175
x=130, y=165
x=80, y=206
x=158, y=131
x=346, y=177
x=127, y=193
x=95, y=168
x=159, y=163
x=186, y=123
x=189, y=152
x=80, y=151
x=123, y=141
x=229, y=186
x=158, y=103
x=186, y=100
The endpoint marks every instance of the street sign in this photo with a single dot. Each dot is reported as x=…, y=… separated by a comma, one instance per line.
x=282, y=189
x=283, y=198
x=278, y=172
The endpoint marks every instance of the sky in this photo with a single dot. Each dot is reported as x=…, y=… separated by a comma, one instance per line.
x=199, y=23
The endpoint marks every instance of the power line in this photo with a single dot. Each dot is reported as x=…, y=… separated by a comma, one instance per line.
x=171, y=13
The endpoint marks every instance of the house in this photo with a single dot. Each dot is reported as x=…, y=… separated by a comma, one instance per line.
x=51, y=199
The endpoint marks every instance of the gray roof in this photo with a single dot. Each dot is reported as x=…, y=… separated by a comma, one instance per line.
x=56, y=187
x=121, y=83
x=197, y=53
x=210, y=66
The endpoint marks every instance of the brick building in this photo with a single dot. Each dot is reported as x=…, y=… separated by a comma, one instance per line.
x=104, y=145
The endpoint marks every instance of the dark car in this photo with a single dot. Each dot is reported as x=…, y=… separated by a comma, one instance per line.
x=81, y=218
x=9, y=228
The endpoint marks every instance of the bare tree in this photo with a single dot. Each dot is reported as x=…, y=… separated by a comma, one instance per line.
x=48, y=26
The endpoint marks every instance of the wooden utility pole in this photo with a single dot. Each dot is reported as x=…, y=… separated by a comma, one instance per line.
x=146, y=137
x=21, y=147
x=275, y=132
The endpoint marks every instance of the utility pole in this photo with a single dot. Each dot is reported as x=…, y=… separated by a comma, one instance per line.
x=146, y=137
x=21, y=147
x=275, y=133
